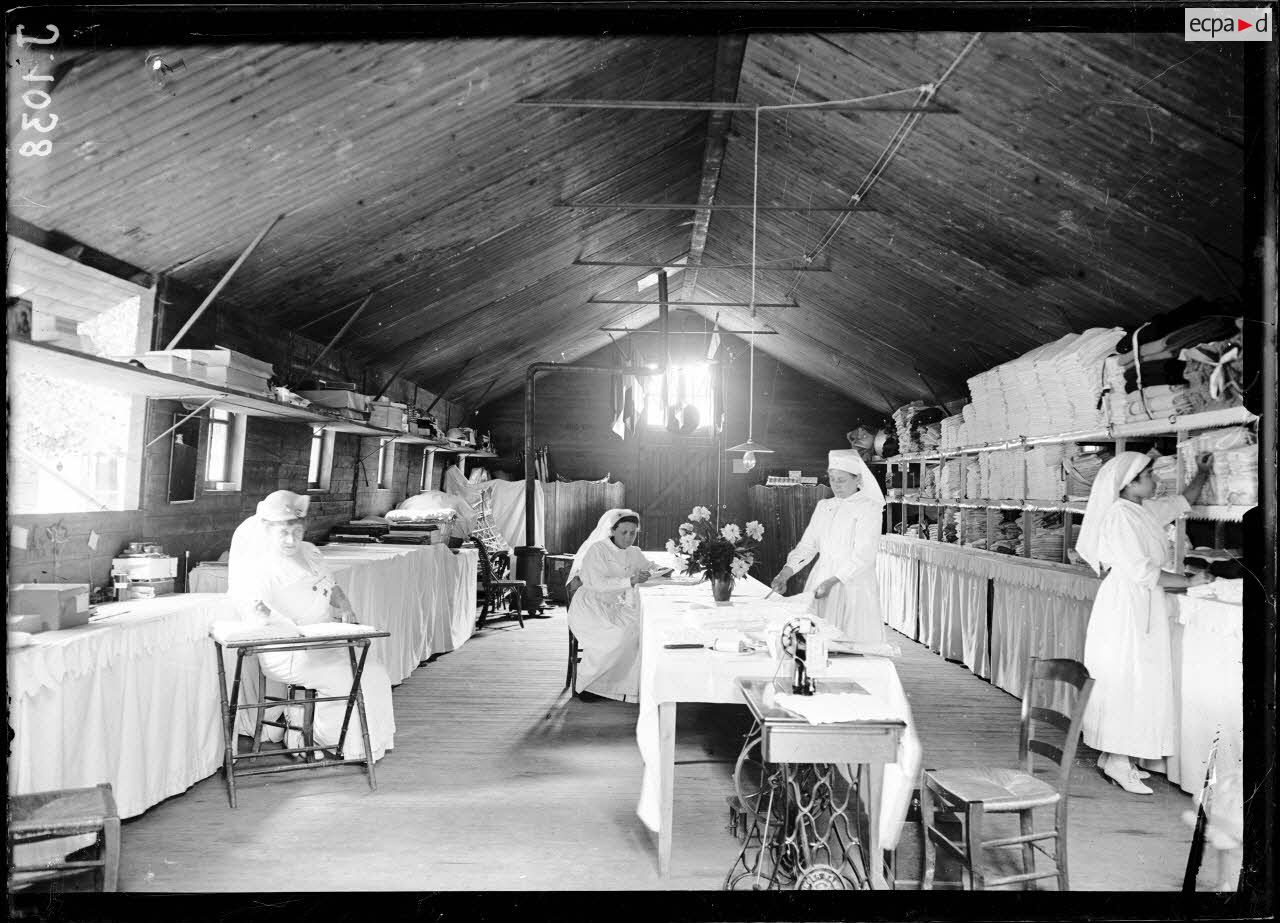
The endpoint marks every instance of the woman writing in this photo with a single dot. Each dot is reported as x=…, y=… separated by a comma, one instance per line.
x=1130, y=715
x=279, y=581
x=605, y=611
x=844, y=534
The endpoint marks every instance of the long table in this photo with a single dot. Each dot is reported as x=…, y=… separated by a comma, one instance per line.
x=133, y=699
x=669, y=677
x=936, y=593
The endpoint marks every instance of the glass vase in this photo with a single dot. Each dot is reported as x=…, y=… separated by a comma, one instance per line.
x=721, y=588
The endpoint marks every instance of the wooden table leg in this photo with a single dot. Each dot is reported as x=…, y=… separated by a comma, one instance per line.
x=666, y=786
x=875, y=788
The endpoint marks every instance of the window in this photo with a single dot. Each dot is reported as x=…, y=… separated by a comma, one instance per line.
x=690, y=384
x=428, y=463
x=75, y=446
x=321, y=465
x=386, y=461
x=224, y=455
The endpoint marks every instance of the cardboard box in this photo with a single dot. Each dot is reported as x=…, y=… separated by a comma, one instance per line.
x=146, y=567
x=160, y=361
x=233, y=377
x=338, y=400
x=229, y=358
x=389, y=415
x=57, y=605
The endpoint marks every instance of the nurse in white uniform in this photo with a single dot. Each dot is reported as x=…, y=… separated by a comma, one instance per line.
x=844, y=534
x=1130, y=714
x=278, y=581
x=605, y=612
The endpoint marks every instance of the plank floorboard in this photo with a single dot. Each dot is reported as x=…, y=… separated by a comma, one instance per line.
x=501, y=781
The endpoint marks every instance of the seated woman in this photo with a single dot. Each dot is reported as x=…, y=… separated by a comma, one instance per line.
x=277, y=580
x=605, y=612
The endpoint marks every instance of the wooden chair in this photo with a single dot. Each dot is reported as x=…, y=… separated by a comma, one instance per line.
x=575, y=650
x=969, y=795
x=493, y=585
x=71, y=812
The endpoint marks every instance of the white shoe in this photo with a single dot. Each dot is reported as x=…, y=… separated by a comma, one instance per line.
x=1129, y=781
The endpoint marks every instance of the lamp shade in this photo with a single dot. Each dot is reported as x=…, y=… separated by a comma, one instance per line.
x=749, y=446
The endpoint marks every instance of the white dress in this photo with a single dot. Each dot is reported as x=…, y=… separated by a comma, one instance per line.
x=1126, y=648
x=605, y=616
x=297, y=588
x=845, y=536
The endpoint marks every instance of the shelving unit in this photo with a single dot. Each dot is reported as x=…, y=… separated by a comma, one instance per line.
x=1178, y=426
x=45, y=358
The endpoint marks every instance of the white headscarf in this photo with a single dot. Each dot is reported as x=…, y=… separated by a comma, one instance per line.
x=1111, y=479
x=601, y=532
x=849, y=460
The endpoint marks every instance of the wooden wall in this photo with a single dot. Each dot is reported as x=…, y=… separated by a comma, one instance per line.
x=276, y=458
x=799, y=418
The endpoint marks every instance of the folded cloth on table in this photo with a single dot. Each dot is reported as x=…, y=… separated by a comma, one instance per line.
x=833, y=707
x=1226, y=591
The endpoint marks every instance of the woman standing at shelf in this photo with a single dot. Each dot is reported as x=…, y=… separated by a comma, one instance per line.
x=1130, y=715
x=844, y=534
x=605, y=611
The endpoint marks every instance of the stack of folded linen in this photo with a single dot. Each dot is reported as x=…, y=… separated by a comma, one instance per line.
x=1044, y=471
x=974, y=524
x=972, y=426
x=1215, y=373
x=1114, y=398
x=949, y=480
x=1017, y=379
x=927, y=437
x=1002, y=474
x=1079, y=369
x=1008, y=538
x=1158, y=402
x=1046, y=540
x=1165, y=471
x=973, y=483
x=929, y=482
x=1051, y=389
x=952, y=429
x=1080, y=470
x=991, y=418
x=1234, y=480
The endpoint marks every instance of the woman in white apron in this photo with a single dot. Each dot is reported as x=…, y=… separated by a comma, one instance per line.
x=277, y=579
x=844, y=534
x=605, y=612
x=1130, y=714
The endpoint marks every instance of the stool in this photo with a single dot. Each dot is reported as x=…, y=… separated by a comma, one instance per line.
x=70, y=812
x=252, y=642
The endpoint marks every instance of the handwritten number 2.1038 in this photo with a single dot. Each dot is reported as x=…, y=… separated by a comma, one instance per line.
x=37, y=99
x=24, y=40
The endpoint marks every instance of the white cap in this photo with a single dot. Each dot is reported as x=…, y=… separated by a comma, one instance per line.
x=283, y=505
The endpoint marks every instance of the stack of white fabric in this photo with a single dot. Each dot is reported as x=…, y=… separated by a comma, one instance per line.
x=990, y=417
x=1046, y=540
x=1002, y=474
x=1165, y=471
x=973, y=483
x=974, y=524
x=1234, y=480
x=952, y=427
x=1158, y=402
x=1044, y=471
x=972, y=426
x=949, y=480
x=1116, y=405
x=1080, y=370
x=1080, y=471
x=929, y=483
x=1051, y=390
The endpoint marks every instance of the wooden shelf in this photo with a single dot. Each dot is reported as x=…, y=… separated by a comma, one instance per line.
x=44, y=358
x=423, y=440
x=1075, y=506
x=1209, y=419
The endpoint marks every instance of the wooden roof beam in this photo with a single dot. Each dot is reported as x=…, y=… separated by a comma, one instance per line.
x=717, y=106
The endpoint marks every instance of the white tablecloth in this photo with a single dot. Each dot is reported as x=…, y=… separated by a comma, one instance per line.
x=708, y=676
x=132, y=700
x=425, y=595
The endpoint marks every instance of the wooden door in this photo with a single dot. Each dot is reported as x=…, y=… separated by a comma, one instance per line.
x=674, y=475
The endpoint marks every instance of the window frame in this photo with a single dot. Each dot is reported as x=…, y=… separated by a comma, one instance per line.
x=233, y=451
x=386, y=462
x=324, y=464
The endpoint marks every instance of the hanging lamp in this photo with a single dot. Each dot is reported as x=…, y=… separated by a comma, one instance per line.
x=751, y=448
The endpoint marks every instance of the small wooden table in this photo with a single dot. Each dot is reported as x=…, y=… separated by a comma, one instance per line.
x=805, y=815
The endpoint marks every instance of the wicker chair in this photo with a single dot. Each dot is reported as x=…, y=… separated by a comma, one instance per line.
x=494, y=588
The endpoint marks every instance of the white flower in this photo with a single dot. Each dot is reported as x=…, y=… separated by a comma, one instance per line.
x=671, y=546
x=699, y=513
x=739, y=568
x=689, y=543
x=731, y=532
x=755, y=531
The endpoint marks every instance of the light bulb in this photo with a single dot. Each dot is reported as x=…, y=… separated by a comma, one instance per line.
x=749, y=460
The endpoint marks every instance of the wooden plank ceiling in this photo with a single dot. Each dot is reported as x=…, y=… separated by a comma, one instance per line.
x=1084, y=179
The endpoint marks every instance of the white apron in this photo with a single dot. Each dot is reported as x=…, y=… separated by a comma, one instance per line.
x=605, y=616
x=845, y=537
x=1126, y=649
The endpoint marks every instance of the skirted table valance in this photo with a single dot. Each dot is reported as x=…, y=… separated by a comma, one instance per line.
x=938, y=594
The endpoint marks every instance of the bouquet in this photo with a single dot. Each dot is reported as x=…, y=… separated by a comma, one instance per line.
x=726, y=553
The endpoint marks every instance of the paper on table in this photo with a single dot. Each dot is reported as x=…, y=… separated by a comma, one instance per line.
x=829, y=707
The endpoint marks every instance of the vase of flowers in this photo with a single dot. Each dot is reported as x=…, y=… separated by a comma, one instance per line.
x=723, y=554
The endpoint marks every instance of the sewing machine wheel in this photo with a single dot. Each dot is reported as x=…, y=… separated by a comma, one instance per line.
x=822, y=878
x=752, y=780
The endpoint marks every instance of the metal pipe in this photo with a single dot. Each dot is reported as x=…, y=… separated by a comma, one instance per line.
x=664, y=325
x=531, y=373
x=659, y=264
x=698, y=304
x=690, y=332
x=223, y=281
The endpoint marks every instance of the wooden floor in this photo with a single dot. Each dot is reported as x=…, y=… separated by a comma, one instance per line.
x=501, y=781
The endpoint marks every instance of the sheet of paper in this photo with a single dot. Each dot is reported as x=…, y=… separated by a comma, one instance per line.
x=19, y=536
x=93, y=540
